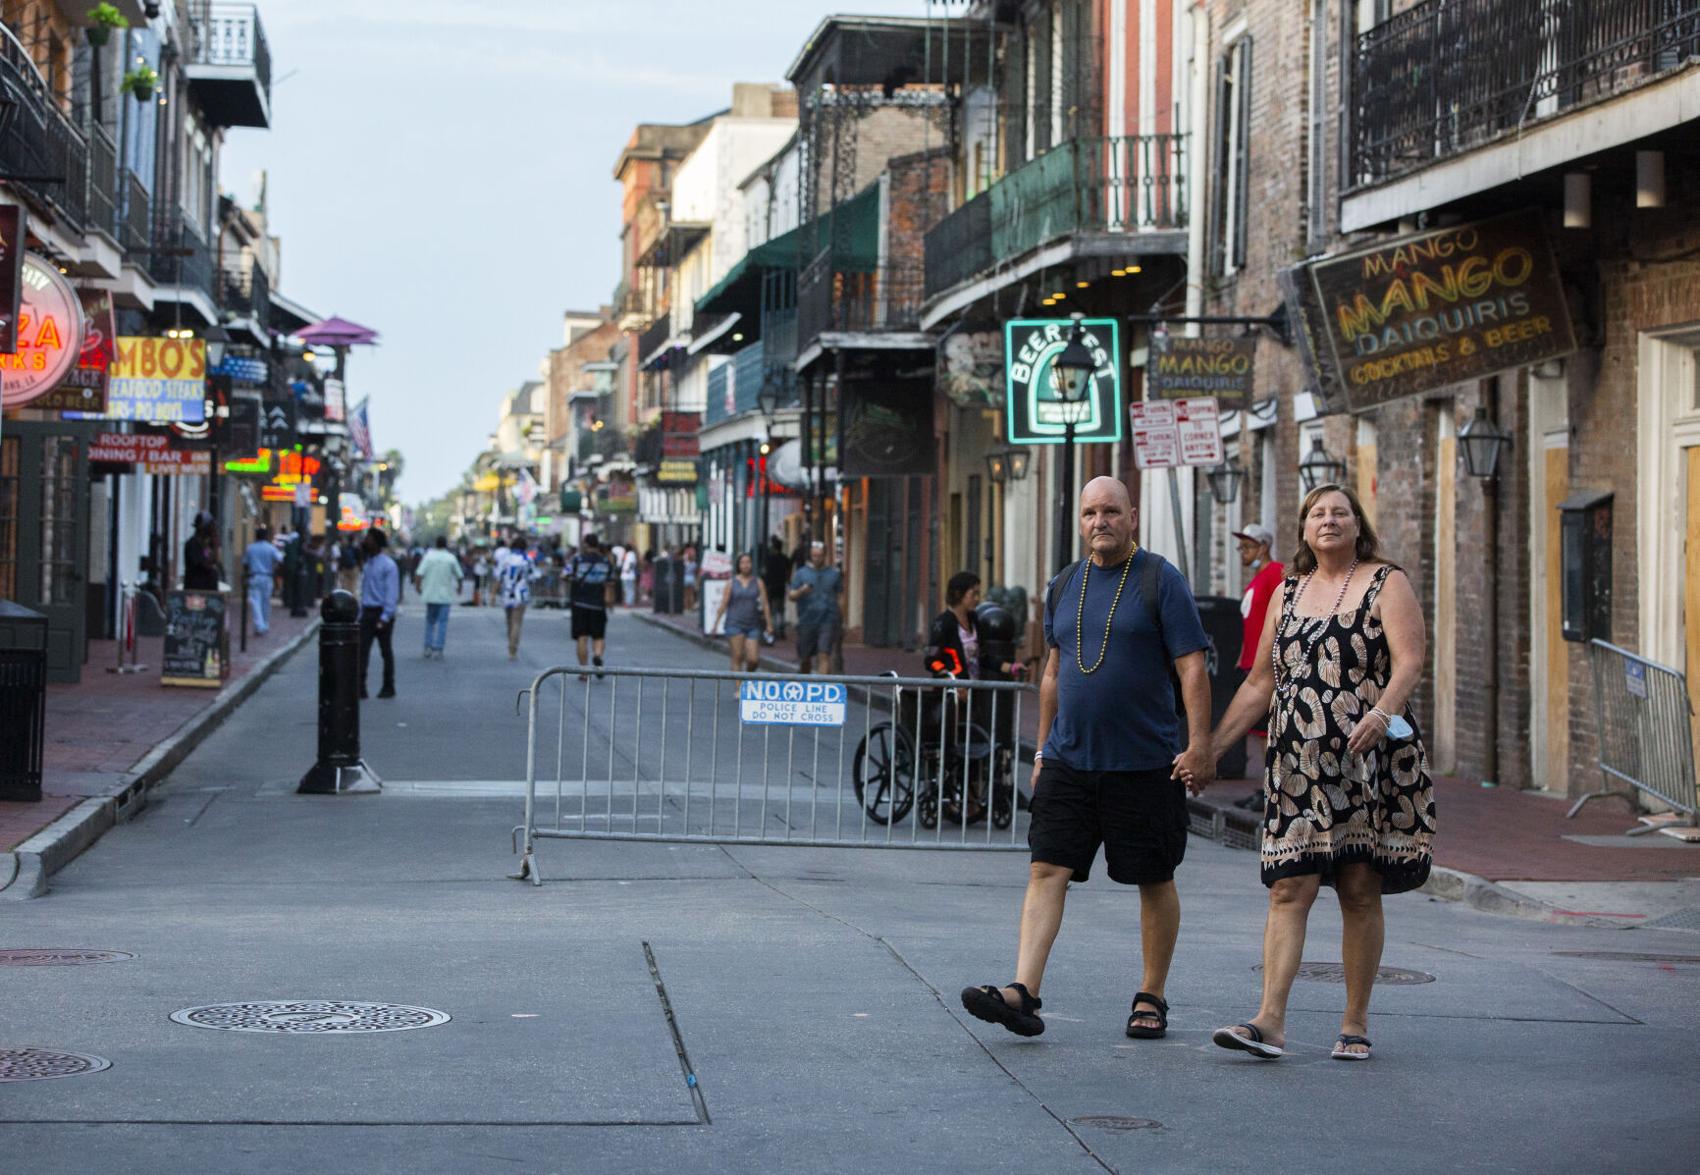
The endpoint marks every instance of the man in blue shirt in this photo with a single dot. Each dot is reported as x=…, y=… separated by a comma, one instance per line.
x=380, y=595
x=1110, y=759
x=818, y=591
x=593, y=585
x=260, y=562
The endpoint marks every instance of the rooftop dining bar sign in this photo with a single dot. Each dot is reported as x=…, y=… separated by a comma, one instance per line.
x=1035, y=413
x=1428, y=311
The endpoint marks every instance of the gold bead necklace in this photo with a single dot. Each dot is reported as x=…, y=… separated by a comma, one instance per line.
x=1080, y=614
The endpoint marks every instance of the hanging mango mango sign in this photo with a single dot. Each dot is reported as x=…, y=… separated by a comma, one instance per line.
x=159, y=380
x=1424, y=312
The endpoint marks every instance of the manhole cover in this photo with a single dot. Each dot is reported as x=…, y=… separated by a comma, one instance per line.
x=1629, y=957
x=56, y=957
x=1687, y=919
x=45, y=1064
x=1116, y=1123
x=1336, y=973
x=310, y=1016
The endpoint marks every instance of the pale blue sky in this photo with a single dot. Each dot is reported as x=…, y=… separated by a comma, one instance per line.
x=441, y=170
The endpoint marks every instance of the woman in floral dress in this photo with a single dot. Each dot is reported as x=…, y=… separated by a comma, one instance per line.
x=1347, y=796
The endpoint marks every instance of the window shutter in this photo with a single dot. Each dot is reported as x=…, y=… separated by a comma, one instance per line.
x=1219, y=170
x=1242, y=81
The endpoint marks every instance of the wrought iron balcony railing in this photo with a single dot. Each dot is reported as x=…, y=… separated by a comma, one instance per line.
x=1446, y=76
x=103, y=181
x=244, y=290
x=830, y=298
x=42, y=151
x=135, y=228
x=1122, y=183
x=180, y=256
x=229, y=62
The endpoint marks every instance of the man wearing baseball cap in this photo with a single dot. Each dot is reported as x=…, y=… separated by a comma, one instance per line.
x=1266, y=575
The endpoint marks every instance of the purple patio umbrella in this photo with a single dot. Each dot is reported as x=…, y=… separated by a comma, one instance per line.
x=338, y=332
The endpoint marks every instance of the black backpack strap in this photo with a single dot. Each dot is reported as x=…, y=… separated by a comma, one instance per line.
x=1054, y=589
x=1149, y=577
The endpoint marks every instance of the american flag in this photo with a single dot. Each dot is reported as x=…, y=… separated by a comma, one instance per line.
x=526, y=491
x=360, y=430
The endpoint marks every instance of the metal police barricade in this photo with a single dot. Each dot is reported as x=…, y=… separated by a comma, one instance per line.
x=1645, y=724
x=714, y=757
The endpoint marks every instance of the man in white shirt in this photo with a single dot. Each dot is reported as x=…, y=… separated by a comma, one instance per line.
x=628, y=565
x=437, y=580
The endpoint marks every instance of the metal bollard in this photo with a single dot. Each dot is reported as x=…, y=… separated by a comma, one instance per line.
x=339, y=770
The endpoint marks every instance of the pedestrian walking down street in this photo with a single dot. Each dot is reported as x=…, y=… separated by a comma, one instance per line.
x=818, y=591
x=1117, y=624
x=1266, y=577
x=380, y=595
x=260, y=562
x=744, y=606
x=514, y=572
x=629, y=577
x=775, y=573
x=480, y=578
x=437, y=580
x=592, y=579
x=1347, y=797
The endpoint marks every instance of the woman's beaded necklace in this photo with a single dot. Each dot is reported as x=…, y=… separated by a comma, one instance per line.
x=1080, y=614
x=1291, y=683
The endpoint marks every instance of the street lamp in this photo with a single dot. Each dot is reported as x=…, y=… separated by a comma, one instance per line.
x=1225, y=482
x=767, y=401
x=1071, y=378
x=1482, y=443
x=997, y=467
x=1319, y=468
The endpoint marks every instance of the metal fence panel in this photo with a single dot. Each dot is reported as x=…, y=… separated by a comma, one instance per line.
x=684, y=756
x=1645, y=724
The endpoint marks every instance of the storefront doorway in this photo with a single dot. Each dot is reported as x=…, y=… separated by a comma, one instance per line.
x=44, y=493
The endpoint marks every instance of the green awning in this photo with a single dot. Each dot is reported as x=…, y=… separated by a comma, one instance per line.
x=740, y=290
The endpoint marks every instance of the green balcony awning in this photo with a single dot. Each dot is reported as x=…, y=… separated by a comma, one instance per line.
x=858, y=251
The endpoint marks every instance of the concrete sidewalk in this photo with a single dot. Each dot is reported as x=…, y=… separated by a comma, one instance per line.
x=110, y=736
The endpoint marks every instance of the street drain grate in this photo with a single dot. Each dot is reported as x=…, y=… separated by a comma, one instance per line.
x=310, y=1016
x=46, y=1064
x=1685, y=919
x=56, y=957
x=1629, y=957
x=1336, y=973
x=1116, y=1123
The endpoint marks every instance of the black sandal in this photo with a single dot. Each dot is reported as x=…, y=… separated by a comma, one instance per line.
x=1159, y=1013
x=987, y=1003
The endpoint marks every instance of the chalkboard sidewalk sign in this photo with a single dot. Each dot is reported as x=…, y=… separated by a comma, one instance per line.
x=197, y=647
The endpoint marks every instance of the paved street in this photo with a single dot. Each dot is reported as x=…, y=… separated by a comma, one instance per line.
x=810, y=992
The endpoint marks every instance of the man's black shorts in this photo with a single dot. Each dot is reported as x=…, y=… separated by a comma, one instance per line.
x=589, y=622
x=1140, y=817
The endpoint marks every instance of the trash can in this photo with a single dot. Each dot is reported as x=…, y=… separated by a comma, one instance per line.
x=669, y=586
x=1223, y=625
x=23, y=701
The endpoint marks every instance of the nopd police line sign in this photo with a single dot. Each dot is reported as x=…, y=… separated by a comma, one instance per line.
x=792, y=703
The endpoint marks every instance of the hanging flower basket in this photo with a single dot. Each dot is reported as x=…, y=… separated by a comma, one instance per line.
x=140, y=82
x=103, y=18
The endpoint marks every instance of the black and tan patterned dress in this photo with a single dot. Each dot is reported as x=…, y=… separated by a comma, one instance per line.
x=1324, y=806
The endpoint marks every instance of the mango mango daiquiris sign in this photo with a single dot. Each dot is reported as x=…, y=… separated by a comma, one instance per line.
x=1424, y=312
x=1034, y=413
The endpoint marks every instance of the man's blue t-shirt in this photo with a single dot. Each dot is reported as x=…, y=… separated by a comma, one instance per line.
x=1121, y=717
x=590, y=575
x=820, y=606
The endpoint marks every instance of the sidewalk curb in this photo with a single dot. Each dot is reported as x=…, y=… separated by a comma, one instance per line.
x=57, y=845
x=1243, y=830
